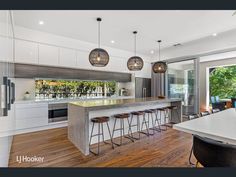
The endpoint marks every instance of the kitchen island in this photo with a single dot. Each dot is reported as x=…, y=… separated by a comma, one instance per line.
x=80, y=113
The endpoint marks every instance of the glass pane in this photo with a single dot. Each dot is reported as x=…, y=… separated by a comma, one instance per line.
x=181, y=84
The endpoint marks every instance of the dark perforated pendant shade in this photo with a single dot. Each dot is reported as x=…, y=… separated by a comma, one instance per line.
x=159, y=66
x=99, y=57
x=135, y=63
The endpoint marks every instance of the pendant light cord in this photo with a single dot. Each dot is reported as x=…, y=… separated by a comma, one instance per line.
x=135, y=43
x=99, y=33
x=159, y=49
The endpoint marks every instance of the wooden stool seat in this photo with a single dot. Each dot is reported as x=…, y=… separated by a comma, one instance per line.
x=162, y=109
x=172, y=107
x=137, y=113
x=100, y=119
x=121, y=116
x=149, y=111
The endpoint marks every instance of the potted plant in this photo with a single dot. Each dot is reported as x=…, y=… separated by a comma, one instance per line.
x=27, y=95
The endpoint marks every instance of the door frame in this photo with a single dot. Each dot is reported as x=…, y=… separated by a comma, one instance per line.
x=196, y=64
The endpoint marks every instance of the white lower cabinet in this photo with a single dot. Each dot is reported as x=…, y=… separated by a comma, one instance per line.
x=31, y=115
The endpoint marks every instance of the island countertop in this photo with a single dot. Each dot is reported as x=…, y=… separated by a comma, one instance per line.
x=94, y=104
x=80, y=114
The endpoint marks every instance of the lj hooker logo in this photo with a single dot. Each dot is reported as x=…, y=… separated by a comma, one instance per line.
x=29, y=159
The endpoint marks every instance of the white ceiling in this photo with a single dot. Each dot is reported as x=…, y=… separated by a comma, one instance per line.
x=171, y=26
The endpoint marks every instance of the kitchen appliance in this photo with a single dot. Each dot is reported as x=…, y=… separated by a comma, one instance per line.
x=57, y=112
x=142, y=87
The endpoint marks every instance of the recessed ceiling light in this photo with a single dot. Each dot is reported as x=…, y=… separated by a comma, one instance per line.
x=41, y=22
x=112, y=41
x=214, y=34
x=152, y=51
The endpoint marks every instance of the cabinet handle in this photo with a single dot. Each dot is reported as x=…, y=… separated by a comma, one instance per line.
x=13, y=95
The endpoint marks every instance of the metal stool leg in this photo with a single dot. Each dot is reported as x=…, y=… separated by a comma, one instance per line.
x=154, y=128
x=164, y=116
x=110, y=135
x=121, y=128
x=129, y=130
x=144, y=122
x=113, y=131
x=91, y=135
x=98, y=138
x=158, y=123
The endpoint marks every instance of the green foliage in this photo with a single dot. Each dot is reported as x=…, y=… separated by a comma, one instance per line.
x=68, y=87
x=223, y=82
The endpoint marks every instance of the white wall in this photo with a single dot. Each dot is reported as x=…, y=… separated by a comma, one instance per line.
x=118, y=58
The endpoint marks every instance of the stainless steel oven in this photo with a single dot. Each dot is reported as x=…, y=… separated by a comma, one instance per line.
x=57, y=112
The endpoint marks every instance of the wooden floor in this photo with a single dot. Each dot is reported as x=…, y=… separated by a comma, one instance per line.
x=166, y=149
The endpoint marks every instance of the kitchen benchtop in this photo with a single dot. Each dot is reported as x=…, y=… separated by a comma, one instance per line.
x=67, y=100
x=122, y=102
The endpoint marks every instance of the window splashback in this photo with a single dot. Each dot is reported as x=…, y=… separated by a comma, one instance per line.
x=46, y=88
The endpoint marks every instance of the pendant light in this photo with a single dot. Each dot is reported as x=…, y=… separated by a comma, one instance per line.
x=159, y=66
x=135, y=63
x=99, y=57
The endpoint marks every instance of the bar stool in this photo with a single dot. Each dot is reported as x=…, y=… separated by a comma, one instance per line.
x=172, y=110
x=99, y=121
x=139, y=130
x=150, y=112
x=163, y=111
x=121, y=117
x=157, y=120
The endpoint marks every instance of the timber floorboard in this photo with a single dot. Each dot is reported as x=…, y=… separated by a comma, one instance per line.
x=169, y=148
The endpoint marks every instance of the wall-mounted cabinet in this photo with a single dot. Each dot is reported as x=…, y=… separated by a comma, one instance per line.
x=26, y=52
x=83, y=60
x=4, y=48
x=48, y=55
x=67, y=57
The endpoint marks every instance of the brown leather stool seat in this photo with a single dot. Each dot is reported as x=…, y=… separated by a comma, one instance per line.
x=162, y=109
x=100, y=119
x=121, y=116
x=138, y=113
x=149, y=111
x=172, y=107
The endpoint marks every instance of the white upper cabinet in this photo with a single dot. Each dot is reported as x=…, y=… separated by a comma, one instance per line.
x=48, y=55
x=83, y=60
x=26, y=52
x=67, y=57
x=6, y=38
x=4, y=48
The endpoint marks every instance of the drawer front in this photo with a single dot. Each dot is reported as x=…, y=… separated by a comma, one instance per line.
x=31, y=105
x=33, y=112
x=31, y=123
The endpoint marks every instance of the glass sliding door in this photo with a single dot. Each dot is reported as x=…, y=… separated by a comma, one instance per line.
x=182, y=82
